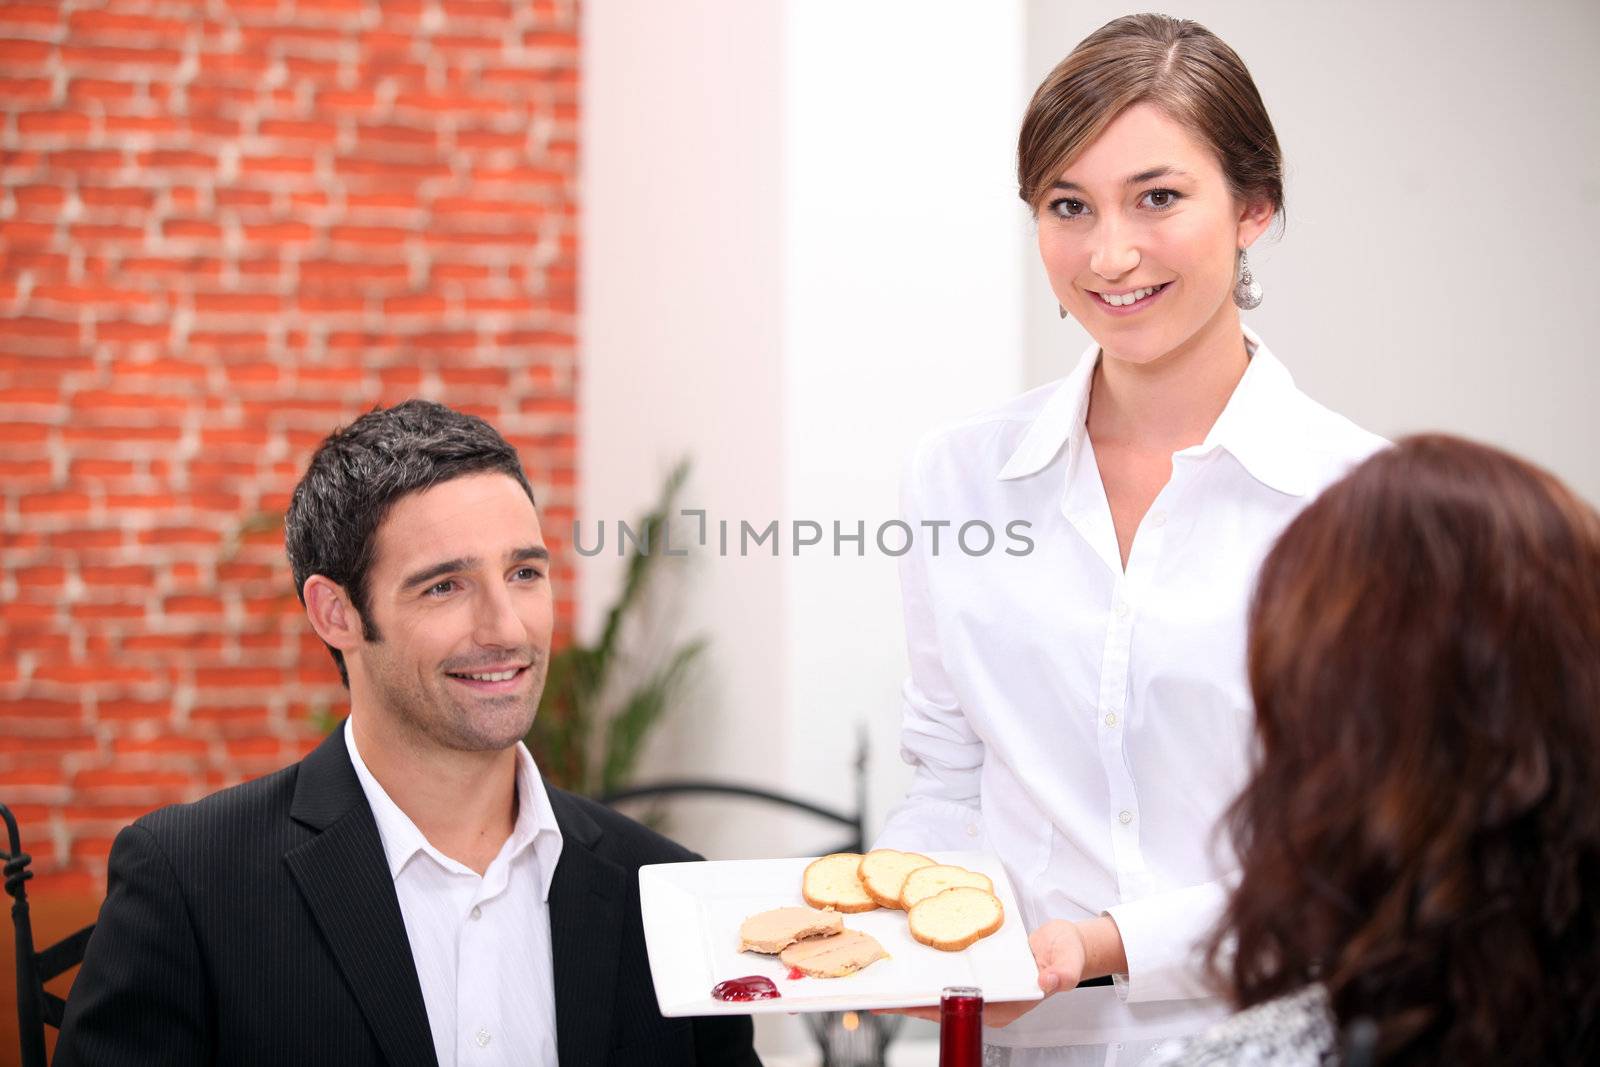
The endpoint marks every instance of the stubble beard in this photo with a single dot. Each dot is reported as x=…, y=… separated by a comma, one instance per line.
x=460, y=721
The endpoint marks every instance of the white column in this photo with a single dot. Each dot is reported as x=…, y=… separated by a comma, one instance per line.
x=801, y=250
x=680, y=341
x=903, y=299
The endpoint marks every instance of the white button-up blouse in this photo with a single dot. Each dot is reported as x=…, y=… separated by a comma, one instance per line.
x=1090, y=723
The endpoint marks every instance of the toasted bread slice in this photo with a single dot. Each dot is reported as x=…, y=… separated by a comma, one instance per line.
x=883, y=871
x=773, y=931
x=956, y=918
x=831, y=882
x=833, y=957
x=924, y=882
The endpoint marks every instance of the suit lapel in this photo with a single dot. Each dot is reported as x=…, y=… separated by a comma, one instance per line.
x=344, y=877
x=587, y=900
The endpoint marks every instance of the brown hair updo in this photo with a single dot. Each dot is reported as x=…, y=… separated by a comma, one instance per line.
x=1178, y=65
x=1422, y=832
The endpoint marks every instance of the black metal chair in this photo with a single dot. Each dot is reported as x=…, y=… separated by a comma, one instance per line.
x=853, y=821
x=36, y=1008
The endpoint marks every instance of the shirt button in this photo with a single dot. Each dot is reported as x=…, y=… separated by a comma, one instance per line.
x=481, y=1037
x=1159, y=518
x=477, y=913
x=1125, y=818
x=972, y=830
x=1111, y=718
x=1122, y=609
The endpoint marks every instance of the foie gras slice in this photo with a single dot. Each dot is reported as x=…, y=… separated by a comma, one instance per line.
x=773, y=931
x=833, y=957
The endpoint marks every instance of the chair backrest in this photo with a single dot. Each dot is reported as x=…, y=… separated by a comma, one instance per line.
x=851, y=821
x=700, y=787
x=36, y=1007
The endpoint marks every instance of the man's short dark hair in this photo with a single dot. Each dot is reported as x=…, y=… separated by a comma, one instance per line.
x=357, y=474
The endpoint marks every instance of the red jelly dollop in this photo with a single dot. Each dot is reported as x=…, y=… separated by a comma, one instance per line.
x=750, y=987
x=795, y=974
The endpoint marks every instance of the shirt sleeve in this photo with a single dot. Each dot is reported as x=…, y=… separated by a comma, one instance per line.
x=941, y=809
x=1164, y=937
x=141, y=995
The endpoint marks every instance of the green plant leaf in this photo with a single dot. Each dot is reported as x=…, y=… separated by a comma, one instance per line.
x=591, y=724
x=259, y=522
x=642, y=563
x=627, y=730
x=563, y=719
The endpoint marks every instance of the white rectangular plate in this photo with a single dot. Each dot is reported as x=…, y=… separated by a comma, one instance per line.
x=692, y=913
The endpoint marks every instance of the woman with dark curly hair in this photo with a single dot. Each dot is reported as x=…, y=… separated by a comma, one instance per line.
x=1420, y=842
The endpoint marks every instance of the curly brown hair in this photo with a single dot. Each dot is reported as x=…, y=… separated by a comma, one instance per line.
x=1422, y=831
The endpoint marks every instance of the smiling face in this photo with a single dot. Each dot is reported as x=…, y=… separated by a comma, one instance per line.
x=1139, y=237
x=459, y=593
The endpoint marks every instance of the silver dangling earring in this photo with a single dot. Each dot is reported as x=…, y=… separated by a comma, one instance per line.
x=1063, y=308
x=1246, y=291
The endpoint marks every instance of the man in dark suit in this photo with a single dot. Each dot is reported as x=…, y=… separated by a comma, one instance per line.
x=410, y=893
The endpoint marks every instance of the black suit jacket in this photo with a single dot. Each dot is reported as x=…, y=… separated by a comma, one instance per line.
x=260, y=926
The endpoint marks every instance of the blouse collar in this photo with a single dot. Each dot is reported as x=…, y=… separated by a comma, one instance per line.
x=1256, y=426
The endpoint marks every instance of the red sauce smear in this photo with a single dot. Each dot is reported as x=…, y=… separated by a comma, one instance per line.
x=795, y=974
x=750, y=987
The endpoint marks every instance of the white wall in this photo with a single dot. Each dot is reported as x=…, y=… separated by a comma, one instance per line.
x=681, y=334
x=1443, y=209
x=903, y=300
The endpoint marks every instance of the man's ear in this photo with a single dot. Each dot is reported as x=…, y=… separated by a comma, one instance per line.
x=333, y=616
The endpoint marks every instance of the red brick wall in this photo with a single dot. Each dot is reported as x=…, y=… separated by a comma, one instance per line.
x=226, y=228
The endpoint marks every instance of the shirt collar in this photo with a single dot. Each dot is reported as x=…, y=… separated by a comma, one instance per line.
x=1255, y=426
x=535, y=826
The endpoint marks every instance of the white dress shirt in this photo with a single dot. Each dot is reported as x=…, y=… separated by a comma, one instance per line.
x=481, y=943
x=1090, y=723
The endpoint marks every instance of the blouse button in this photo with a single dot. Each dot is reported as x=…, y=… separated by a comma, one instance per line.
x=1111, y=718
x=477, y=913
x=1125, y=818
x=1159, y=518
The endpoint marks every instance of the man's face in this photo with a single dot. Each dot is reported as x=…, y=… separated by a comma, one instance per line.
x=460, y=593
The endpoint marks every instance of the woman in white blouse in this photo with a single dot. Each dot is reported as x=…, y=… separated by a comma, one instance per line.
x=1082, y=709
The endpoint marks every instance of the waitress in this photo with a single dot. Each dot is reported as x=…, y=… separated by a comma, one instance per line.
x=1083, y=710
